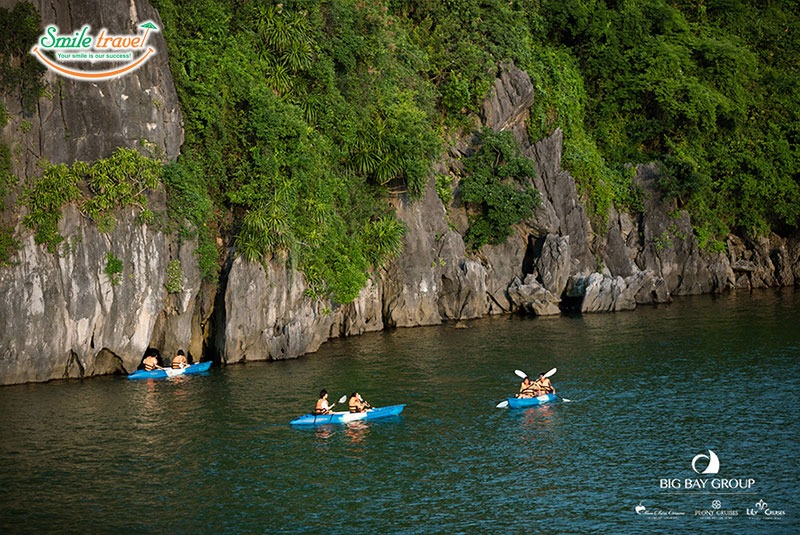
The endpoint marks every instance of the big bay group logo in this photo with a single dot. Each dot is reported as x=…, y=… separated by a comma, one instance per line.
x=77, y=55
x=705, y=465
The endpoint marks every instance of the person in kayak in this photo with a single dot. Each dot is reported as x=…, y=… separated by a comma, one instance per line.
x=542, y=385
x=526, y=389
x=357, y=403
x=322, y=403
x=179, y=361
x=151, y=363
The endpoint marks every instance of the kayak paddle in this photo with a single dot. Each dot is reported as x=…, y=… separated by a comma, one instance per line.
x=521, y=374
x=503, y=404
x=341, y=400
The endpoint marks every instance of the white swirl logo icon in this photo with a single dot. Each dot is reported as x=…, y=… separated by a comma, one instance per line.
x=713, y=463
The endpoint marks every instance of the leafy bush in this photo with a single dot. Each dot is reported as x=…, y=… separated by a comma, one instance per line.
x=118, y=181
x=707, y=88
x=9, y=245
x=113, y=269
x=174, y=282
x=495, y=185
x=20, y=72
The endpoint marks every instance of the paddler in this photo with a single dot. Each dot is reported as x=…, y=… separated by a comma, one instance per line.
x=179, y=361
x=542, y=385
x=151, y=363
x=526, y=389
x=322, y=403
x=357, y=403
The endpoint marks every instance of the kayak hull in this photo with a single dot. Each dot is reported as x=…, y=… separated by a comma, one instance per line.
x=521, y=403
x=346, y=417
x=170, y=372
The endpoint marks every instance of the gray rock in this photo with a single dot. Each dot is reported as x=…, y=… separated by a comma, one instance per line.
x=552, y=266
x=607, y=294
x=562, y=211
x=531, y=297
x=61, y=316
x=87, y=120
x=509, y=102
x=268, y=315
x=503, y=263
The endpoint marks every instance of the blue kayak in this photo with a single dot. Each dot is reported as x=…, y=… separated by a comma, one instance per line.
x=345, y=417
x=171, y=372
x=521, y=403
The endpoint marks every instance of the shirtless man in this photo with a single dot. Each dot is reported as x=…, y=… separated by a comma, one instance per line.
x=357, y=404
x=322, y=403
x=180, y=360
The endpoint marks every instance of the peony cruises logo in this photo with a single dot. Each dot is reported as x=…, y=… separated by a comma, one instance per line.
x=83, y=47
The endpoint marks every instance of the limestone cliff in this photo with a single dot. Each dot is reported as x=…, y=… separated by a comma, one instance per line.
x=60, y=315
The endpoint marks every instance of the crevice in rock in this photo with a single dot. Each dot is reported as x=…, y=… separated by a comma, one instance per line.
x=69, y=370
x=214, y=348
x=532, y=252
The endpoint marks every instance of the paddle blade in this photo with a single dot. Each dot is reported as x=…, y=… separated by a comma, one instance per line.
x=343, y=399
x=503, y=404
x=521, y=374
x=551, y=372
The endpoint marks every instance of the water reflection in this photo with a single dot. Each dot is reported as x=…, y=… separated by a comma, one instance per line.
x=323, y=433
x=357, y=432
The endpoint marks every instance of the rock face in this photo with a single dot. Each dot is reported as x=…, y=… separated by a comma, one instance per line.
x=268, y=316
x=79, y=120
x=66, y=309
x=552, y=261
x=60, y=316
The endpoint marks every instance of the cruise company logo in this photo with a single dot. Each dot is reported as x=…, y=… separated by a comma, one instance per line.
x=716, y=511
x=761, y=508
x=713, y=463
x=708, y=465
x=58, y=52
x=656, y=512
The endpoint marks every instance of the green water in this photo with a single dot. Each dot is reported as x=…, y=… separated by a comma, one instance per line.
x=649, y=390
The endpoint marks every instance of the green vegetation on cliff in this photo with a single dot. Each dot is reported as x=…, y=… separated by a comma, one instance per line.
x=706, y=88
x=495, y=185
x=300, y=118
x=303, y=117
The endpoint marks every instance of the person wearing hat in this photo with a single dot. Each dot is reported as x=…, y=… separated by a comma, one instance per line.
x=180, y=360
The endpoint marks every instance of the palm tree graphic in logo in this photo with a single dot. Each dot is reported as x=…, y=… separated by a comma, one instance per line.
x=147, y=26
x=713, y=463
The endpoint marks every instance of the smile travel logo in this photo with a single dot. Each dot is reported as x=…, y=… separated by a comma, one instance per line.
x=83, y=47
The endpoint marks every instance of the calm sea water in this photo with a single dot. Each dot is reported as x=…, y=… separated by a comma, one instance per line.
x=649, y=390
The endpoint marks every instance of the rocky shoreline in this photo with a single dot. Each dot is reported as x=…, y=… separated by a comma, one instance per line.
x=60, y=317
